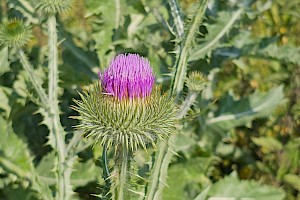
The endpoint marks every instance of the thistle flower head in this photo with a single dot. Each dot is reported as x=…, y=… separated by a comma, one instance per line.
x=128, y=76
x=126, y=109
x=14, y=33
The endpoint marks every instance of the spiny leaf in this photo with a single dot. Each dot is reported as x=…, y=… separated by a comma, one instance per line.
x=293, y=180
x=234, y=188
x=203, y=194
x=185, y=48
x=234, y=113
x=265, y=48
x=25, y=7
x=4, y=94
x=14, y=152
x=268, y=144
x=215, y=33
x=4, y=63
x=15, y=159
x=82, y=172
x=191, y=173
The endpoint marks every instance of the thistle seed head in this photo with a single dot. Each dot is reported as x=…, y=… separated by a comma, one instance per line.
x=14, y=33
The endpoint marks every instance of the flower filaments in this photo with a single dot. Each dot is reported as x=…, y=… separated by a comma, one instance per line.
x=14, y=33
x=128, y=76
x=125, y=109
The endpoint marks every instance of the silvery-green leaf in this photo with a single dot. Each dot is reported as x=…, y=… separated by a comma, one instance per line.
x=231, y=187
x=4, y=63
x=234, y=113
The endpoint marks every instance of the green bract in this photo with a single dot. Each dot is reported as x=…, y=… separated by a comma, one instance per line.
x=196, y=81
x=53, y=6
x=14, y=33
x=128, y=123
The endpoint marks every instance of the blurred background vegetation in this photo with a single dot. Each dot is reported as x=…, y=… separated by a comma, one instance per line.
x=242, y=132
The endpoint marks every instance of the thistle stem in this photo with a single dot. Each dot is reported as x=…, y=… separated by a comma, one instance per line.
x=185, y=106
x=178, y=22
x=123, y=177
x=181, y=63
x=166, y=150
x=30, y=71
x=121, y=171
x=154, y=184
x=63, y=176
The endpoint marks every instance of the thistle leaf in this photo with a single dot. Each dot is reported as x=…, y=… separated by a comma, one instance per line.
x=268, y=144
x=234, y=188
x=235, y=113
x=216, y=32
x=292, y=180
x=4, y=63
x=15, y=159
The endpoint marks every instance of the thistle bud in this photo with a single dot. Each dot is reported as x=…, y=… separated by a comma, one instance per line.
x=14, y=33
x=196, y=81
x=53, y=6
x=125, y=109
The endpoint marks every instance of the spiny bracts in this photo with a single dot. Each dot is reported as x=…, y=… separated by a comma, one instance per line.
x=125, y=109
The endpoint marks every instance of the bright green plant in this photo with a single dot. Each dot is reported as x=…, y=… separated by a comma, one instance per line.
x=221, y=120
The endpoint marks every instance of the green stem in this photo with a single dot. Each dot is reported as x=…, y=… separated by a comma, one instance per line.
x=123, y=177
x=106, y=172
x=185, y=106
x=155, y=175
x=53, y=62
x=178, y=22
x=181, y=63
x=169, y=146
x=121, y=172
x=166, y=149
x=63, y=175
x=30, y=71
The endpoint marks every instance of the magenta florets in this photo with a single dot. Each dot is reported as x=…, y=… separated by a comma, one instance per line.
x=128, y=76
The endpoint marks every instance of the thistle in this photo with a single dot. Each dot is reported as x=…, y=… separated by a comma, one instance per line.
x=196, y=81
x=14, y=33
x=53, y=6
x=125, y=111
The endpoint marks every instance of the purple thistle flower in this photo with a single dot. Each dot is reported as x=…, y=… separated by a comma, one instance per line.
x=128, y=76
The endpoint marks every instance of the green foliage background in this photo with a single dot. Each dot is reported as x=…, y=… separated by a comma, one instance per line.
x=240, y=138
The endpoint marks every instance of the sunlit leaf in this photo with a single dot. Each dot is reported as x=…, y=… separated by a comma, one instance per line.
x=232, y=187
x=4, y=63
x=268, y=144
x=292, y=180
x=185, y=179
x=234, y=113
